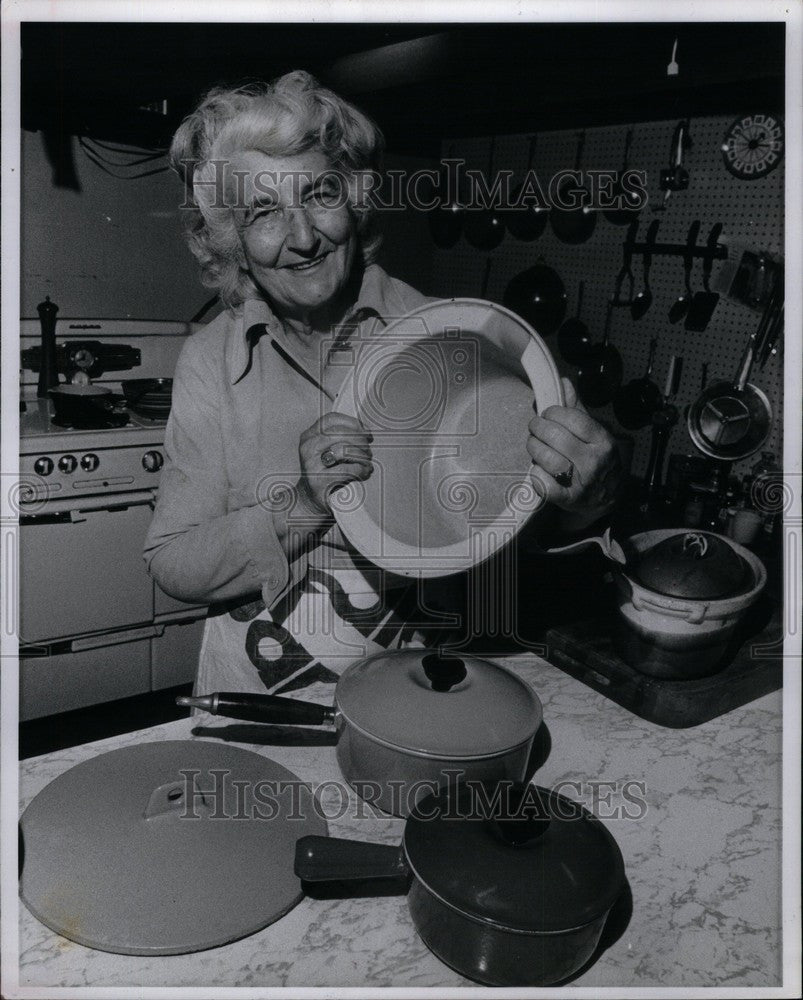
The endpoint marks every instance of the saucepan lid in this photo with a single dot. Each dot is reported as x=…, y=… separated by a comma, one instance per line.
x=165, y=848
x=518, y=857
x=447, y=392
x=438, y=705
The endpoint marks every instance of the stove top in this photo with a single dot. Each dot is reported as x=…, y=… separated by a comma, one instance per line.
x=125, y=453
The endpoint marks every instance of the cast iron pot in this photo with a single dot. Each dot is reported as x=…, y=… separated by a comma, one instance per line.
x=509, y=885
x=80, y=403
x=673, y=637
x=409, y=720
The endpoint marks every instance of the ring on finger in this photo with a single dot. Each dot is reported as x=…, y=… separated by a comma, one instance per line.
x=328, y=458
x=565, y=478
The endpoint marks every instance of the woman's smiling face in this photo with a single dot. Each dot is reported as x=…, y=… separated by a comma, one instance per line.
x=296, y=229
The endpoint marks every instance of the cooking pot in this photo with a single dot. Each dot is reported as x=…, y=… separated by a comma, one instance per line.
x=408, y=720
x=509, y=885
x=80, y=403
x=447, y=392
x=679, y=638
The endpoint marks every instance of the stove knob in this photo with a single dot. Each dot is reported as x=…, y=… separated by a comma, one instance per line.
x=68, y=463
x=152, y=461
x=89, y=462
x=43, y=466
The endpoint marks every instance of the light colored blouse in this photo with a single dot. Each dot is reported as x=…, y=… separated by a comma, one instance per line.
x=241, y=399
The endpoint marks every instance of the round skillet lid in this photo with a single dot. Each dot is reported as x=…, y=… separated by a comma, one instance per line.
x=165, y=848
x=438, y=705
x=516, y=856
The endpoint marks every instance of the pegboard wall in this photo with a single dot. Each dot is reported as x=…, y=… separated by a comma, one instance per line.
x=751, y=213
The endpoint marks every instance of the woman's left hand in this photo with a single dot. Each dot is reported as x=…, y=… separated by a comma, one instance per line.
x=576, y=463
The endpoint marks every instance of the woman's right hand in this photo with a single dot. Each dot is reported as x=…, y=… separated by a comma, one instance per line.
x=335, y=450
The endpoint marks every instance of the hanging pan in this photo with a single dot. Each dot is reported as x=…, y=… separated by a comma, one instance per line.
x=628, y=202
x=527, y=221
x=537, y=294
x=574, y=225
x=635, y=403
x=446, y=220
x=574, y=339
x=731, y=420
x=600, y=375
x=485, y=227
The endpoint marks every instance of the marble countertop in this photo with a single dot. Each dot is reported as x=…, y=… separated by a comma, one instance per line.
x=696, y=813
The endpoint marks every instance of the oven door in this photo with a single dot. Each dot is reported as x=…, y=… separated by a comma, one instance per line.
x=81, y=567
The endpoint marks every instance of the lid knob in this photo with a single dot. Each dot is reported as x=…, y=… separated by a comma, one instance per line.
x=522, y=818
x=443, y=671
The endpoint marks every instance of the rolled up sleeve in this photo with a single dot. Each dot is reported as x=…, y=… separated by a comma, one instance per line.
x=196, y=548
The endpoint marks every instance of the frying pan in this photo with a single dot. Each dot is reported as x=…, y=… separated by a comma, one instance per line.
x=446, y=221
x=529, y=221
x=537, y=294
x=628, y=201
x=635, y=403
x=731, y=420
x=573, y=225
x=407, y=720
x=574, y=340
x=485, y=228
x=510, y=886
x=600, y=375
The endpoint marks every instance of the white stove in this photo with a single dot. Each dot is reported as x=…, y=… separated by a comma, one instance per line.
x=93, y=626
x=58, y=462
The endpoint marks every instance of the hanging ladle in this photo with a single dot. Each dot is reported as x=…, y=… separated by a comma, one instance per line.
x=680, y=306
x=643, y=300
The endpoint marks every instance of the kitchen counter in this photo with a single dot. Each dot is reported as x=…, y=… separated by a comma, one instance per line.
x=696, y=813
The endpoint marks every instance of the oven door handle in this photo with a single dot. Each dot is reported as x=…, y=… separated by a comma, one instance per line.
x=71, y=508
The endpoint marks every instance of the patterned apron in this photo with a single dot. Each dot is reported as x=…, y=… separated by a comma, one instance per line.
x=329, y=619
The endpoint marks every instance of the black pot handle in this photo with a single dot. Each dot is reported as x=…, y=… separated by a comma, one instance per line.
x=260, y=708
x=333, y=859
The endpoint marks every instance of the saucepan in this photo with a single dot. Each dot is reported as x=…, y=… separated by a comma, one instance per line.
x=408, y=721
x=78, y=403
x=509, y=885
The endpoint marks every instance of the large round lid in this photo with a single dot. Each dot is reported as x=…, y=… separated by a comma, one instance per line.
x=165, y=848
x=438, y=705
x=447, y=392
x=519, y=857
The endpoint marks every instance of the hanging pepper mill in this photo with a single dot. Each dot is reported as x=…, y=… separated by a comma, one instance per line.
x=48, y=368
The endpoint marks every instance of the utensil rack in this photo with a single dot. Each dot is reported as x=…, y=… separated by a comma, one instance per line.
x=719, y=252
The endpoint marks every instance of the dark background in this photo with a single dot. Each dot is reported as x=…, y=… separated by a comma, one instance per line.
x=421, y=81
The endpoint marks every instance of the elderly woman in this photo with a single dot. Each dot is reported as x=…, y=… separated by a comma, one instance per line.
x=280, y=228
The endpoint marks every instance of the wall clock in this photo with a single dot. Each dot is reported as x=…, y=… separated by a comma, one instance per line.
x=753, y=146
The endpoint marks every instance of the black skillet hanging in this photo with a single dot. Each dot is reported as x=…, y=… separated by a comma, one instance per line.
x=527, y=221
x=485, y=227
x=600, y=375
x=628, y=202
x=574, y=225
x=447, y=219
x=538, y=296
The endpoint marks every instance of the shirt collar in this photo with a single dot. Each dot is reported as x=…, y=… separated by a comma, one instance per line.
x=258, y=318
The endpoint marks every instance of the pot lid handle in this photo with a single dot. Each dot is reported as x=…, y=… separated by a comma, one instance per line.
x=522, y=821
x=443, y=671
